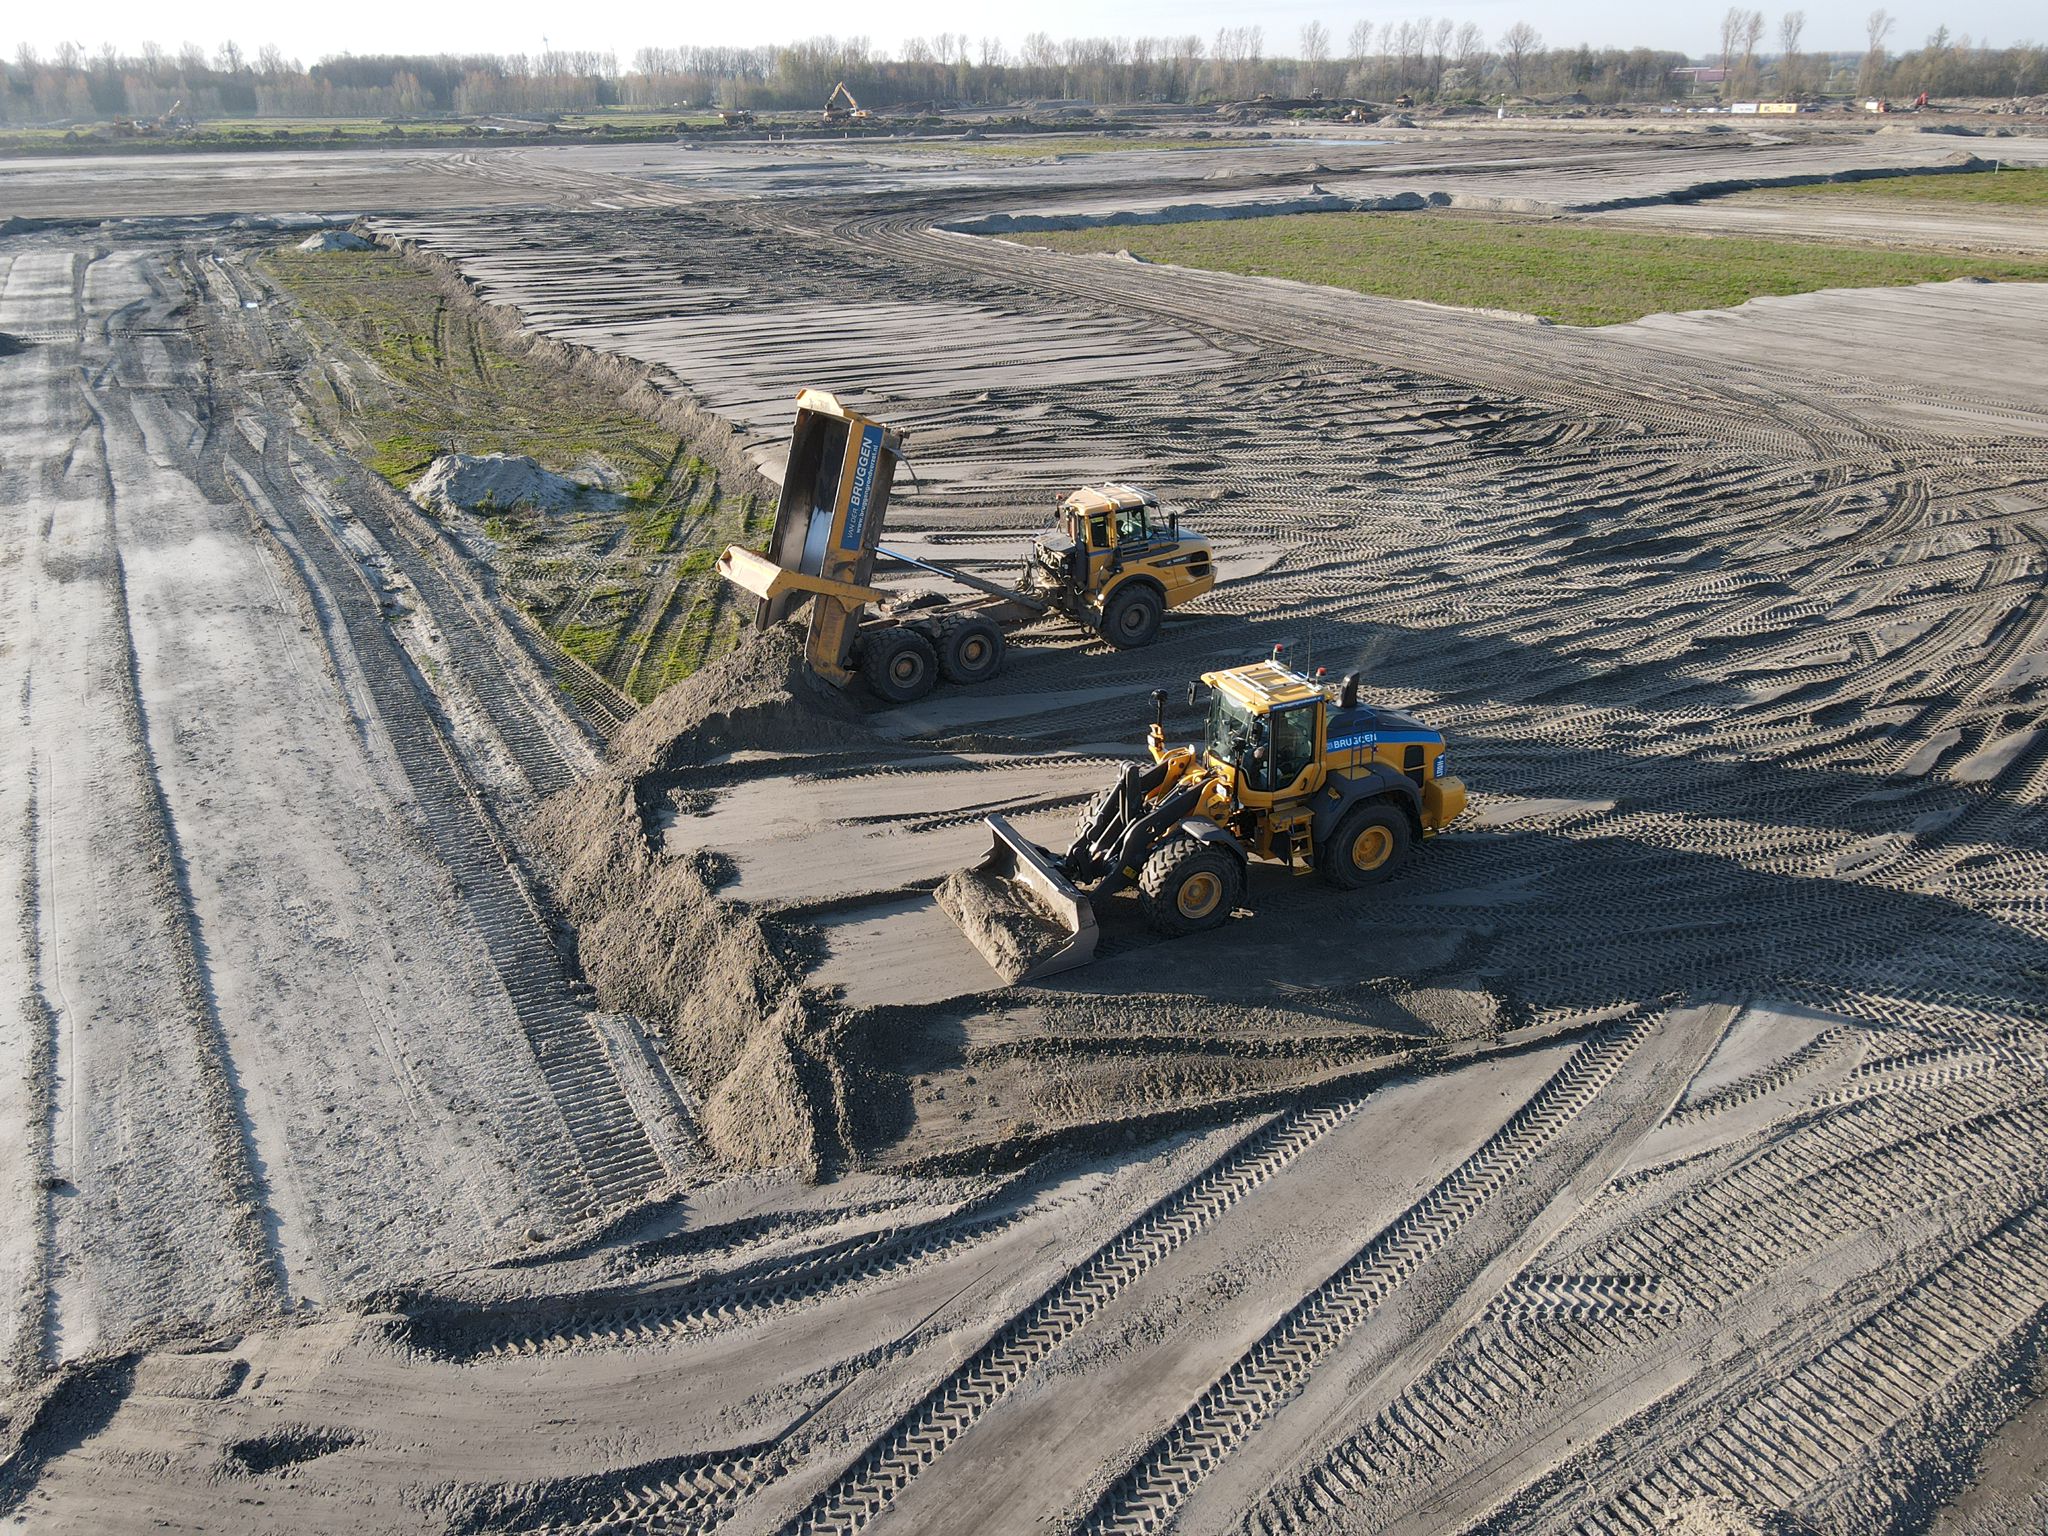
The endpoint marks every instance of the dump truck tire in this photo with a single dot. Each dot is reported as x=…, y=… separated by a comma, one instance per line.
x=899, y=665
x=1131, y=617
x=1366, y=846
x=1188, y=886
x=970, y=649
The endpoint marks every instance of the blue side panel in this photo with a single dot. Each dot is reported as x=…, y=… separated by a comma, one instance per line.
x=1359, y=739
x=864, y=467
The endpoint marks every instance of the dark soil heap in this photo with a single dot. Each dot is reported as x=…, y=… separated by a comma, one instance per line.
x=655, y=942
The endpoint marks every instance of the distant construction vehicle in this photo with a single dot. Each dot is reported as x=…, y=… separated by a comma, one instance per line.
x=1112, y=563
x=1290, y=769
x=840, y=107
x=735, y=117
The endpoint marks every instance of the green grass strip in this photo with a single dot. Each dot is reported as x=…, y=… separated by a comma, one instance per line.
x=1570, y=272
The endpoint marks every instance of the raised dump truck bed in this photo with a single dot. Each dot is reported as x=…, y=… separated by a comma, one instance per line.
x=1111, y=563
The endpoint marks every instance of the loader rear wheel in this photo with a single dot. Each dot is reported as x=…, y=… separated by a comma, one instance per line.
x=899, y=665
x=1366, y=846
x=1188, y=886
x=1131, y=617
x=970, y=649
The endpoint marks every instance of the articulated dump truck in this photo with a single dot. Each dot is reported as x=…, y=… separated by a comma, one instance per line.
x=1291, y=769
x=1112, y=563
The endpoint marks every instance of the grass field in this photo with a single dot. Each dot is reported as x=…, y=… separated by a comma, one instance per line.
x=2018, y=188
x=627, y=589
x=1562, y=271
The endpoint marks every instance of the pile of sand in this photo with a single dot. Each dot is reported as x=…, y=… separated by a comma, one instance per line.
x=762, y=697
x=335, y=240
x=765, y=1063
x=1010, y=930
x=499, y=482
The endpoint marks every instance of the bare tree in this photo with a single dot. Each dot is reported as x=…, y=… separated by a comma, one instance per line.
x=229, y=59
x=70, y=56
x=1439, y=51
x=1752, y=34
x=1315, y=54
x=153, y=61
x=1471, y=50
x=1791, y=26
x=1361, y=42
x=1516, y=44
x=1731, y=34
x=1876, y=27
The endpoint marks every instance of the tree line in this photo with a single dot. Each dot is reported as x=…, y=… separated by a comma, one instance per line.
x=1427, y=59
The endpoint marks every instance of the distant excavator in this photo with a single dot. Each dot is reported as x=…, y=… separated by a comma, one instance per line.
x=840, y=107
x=1112, y=563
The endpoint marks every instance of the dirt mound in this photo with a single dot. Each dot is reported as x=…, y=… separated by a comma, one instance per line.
x=655, y=940
x=761, y=697
x=497, y=482
x=335, y=240
x=1011, y=932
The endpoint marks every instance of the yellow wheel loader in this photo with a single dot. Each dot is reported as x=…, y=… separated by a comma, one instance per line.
x=1111, y=562
x=1290, y=769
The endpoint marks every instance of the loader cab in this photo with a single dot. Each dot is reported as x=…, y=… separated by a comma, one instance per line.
x=1265, y=727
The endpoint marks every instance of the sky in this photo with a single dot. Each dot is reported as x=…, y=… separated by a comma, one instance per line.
x=307, y=32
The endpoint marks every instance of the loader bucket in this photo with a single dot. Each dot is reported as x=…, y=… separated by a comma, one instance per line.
x=1027, y=919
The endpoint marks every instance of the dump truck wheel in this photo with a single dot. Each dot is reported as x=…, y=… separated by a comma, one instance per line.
x=1189, y=885
x=1131, y=618
x=970, y=649
x=899, y=665
x=1366, y=846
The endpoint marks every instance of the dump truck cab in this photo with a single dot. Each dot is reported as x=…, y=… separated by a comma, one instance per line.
x=1115, y=562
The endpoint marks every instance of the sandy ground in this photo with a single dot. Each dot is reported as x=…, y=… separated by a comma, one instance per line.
x=282, y=1067
x=1661, y=1151
x=1977, y=229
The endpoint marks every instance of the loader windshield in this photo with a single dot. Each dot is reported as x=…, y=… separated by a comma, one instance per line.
x=1233, y=729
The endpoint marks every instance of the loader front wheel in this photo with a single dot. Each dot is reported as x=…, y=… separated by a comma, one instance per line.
x=899, y=665
x=1188, y=886
x=1366, y=846
x=970, y=649
x=1131, y=617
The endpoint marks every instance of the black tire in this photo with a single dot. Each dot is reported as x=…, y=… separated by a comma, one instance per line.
x=970, y=649
x=1190, y=886
x=899, y=665
x=1131, y=617
x=1366, y=846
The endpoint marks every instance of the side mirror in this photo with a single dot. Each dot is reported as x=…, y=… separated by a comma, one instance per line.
x=1192, y=687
